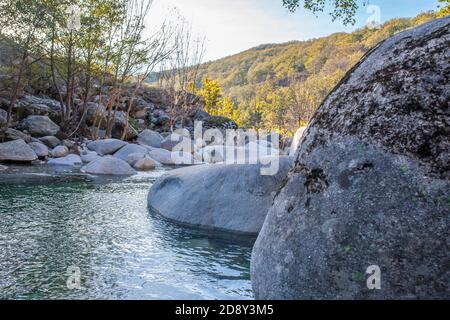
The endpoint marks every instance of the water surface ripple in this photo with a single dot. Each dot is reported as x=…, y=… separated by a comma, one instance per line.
x=50, y=221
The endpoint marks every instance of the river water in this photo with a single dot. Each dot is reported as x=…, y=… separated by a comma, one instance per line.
x=54, y=223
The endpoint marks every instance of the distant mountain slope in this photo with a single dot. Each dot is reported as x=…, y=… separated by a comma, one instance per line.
x=279, y=86
x=293, y=61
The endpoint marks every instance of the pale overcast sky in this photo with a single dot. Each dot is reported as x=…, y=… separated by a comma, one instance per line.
x=231, y=26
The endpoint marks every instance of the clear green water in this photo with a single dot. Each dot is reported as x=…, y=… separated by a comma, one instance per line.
x=50, y=221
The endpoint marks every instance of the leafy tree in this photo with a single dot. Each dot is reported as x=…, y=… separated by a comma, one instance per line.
x=21, y=22
x=344, y=10
x=444, y=8
x=211, y=94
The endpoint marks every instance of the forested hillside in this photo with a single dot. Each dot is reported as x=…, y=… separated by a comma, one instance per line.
x=279, y=86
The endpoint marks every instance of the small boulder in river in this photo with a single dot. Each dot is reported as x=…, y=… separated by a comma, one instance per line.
x=59, y=152
x=16, y=151
x=145, y=164
x=366, y=205
x=135, y=157
x=106, y=146
x=162, y=156
x=109, y=165
x=3, y=168
x=40, y=149
x=150, y=138
x=224, y=197
x=70, y=160
x=39, y=126
x=89, y=156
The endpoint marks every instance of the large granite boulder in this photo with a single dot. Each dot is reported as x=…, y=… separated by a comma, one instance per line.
x=16, y=151
x=223, y=197
x=106, y=146
x=39, y=126
x=369, y=192
x=109, y=165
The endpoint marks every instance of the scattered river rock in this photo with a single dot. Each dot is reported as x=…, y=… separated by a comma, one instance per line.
x=59, y=152
x=145, y=164
x=50, y=141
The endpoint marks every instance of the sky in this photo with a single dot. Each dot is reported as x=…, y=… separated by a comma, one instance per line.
x=232, y=26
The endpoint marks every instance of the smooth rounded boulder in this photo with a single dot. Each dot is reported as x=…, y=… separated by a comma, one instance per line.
x=16, y=151
x=150, y=138
x=70, y=160
x=232, y=198
x=364, y=212
x=106, y=146
x=109, y=165
x=59, y=152
x=145, y=164
x=124, y=152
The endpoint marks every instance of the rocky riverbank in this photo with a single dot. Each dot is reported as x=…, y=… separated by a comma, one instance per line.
x=114, y=156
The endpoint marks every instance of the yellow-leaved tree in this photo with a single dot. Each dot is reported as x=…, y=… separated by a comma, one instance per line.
x=444, y=8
